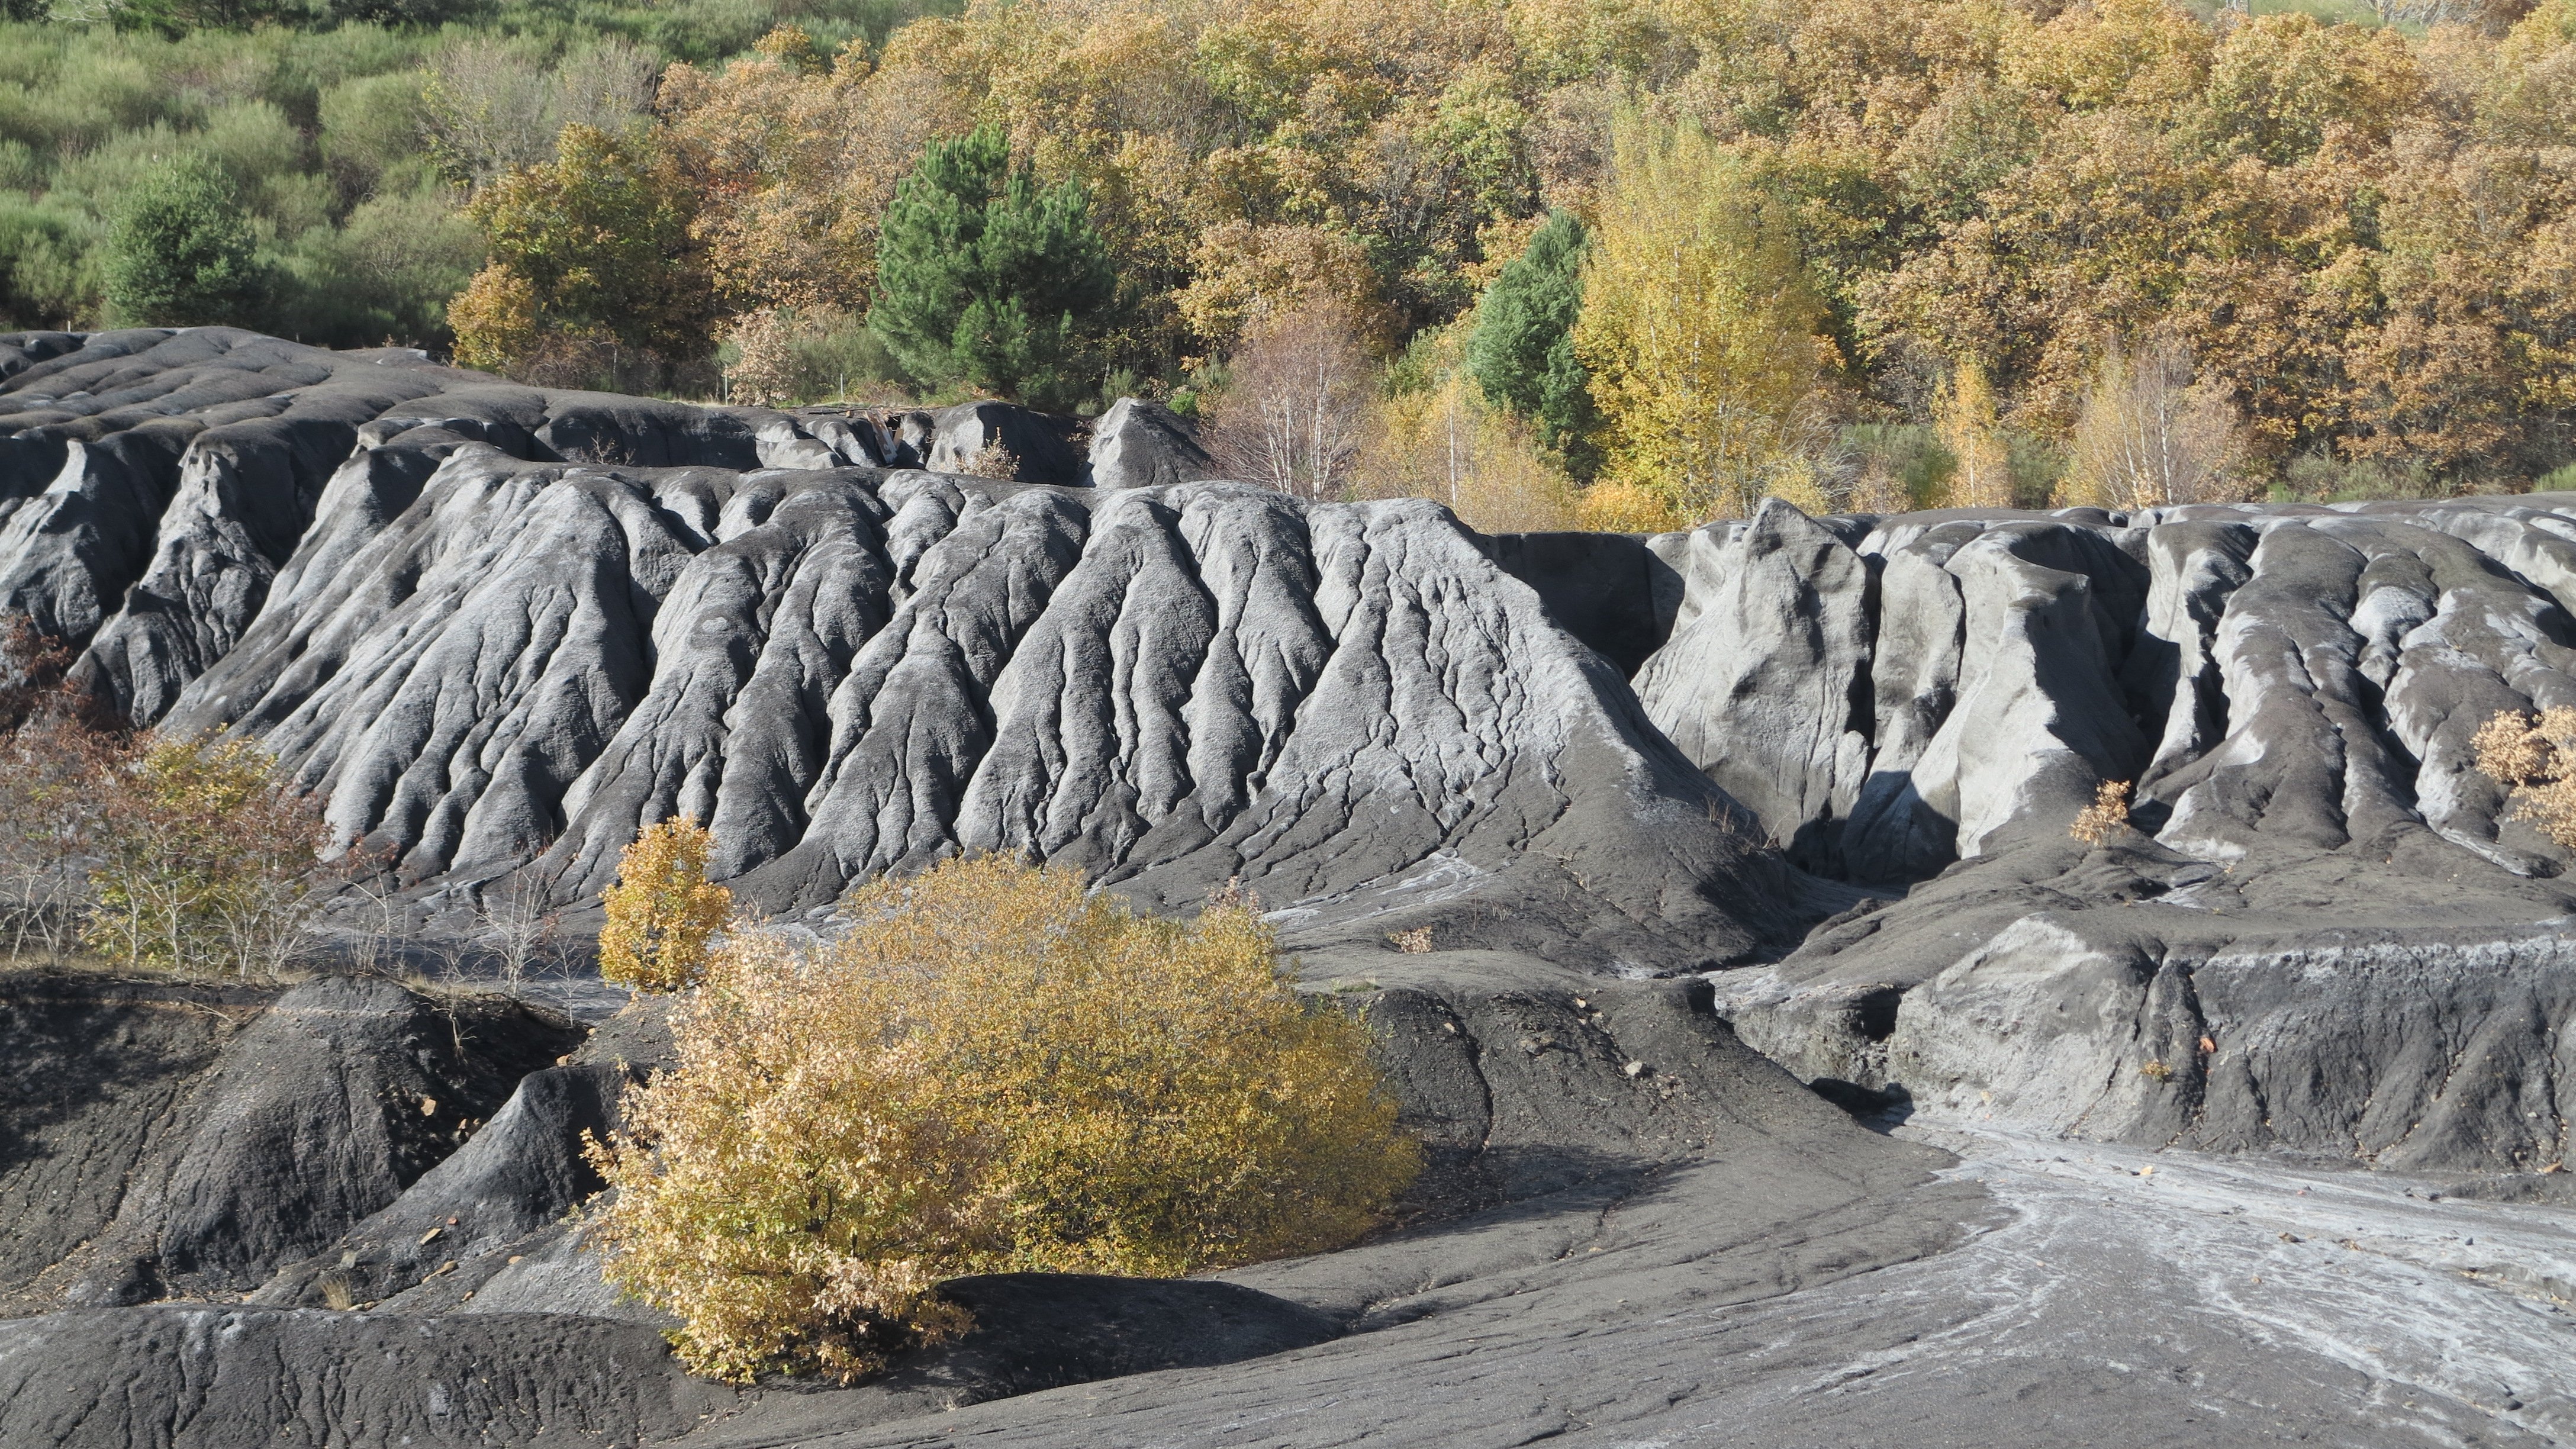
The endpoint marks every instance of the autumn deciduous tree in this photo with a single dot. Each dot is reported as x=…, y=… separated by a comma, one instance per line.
x=1699, y=328
x=1248, y=273
x=592, y=247
x=1444, y=441
x=2148, y=437
x=1963, y=418
x=795, y=155
x=762, y=373
x=1297, y=403
x=994, y=1070
x=207, y=861
x=663, y=912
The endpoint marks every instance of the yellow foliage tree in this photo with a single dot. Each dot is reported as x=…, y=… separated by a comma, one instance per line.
x=1963, y=418
x=206, y=859
x=1441, y=439
x=663, y=911
x=992, y=1071
x=1699, y=328
x=496, y=322
x=796, y=155
x=2146, y=55
x=1613, y=506
x=1248, y=274
x=2148, y=437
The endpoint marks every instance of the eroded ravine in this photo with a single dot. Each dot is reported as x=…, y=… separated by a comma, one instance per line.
x=1832, y=762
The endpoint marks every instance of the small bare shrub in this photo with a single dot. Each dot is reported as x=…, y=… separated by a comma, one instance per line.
x=993, y=460
x=1444, y=442
x=519, y=929
x=2155, y=1069
x=493, y=106
x=994, y=1070
x=55, y=749
x=2149, y=436
x=2106, y=817
x=763, y=371
x=206, y=860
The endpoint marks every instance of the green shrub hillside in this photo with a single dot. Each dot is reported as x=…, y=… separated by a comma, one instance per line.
x=178, y=251
x=346, y=134
x=292, y=144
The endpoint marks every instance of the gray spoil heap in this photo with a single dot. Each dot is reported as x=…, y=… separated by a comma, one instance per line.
x=1686, y=821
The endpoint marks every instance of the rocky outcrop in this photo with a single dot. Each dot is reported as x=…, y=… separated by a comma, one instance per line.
x=507, y=625
x=156, y=483
x=1139, y=444
x=254, y=1132
x=2299, y=678
x=1763, y=680
x=2326, y=931
x=972, y=437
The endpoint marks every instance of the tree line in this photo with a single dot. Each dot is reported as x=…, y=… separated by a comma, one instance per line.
x=1607, y=263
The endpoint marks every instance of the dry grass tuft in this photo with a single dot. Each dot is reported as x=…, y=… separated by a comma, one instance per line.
x=993, y=460
x=2096, y=824
x=2535, y=760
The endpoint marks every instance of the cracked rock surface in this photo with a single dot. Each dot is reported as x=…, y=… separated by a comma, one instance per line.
x=501, y=627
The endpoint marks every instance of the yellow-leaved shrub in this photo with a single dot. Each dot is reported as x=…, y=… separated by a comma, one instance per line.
x=662, y=912
x=993, y=1070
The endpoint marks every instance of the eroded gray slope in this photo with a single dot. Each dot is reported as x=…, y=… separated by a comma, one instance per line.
x=1349, y=708
x=520, y=623
x=1598, y=1147
x=2327, y=932
x=155, y=482
x=501, y=627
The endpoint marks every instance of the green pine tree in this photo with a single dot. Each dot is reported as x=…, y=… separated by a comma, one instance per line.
x=179, y=253
x=1522, y=352
x=986, y=278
